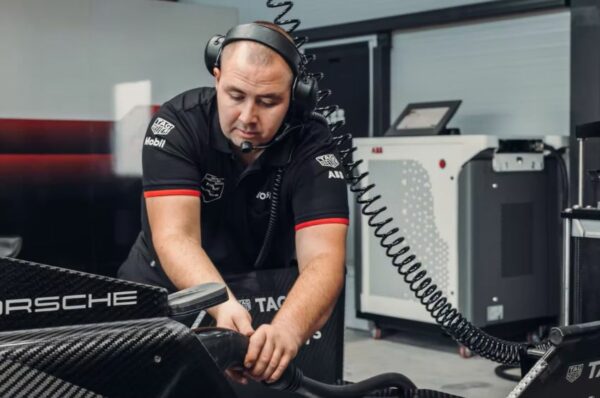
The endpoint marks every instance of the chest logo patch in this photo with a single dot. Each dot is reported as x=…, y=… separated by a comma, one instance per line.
x=328, y=160
x=161, y=126
x=263, y=195
x=212, y=188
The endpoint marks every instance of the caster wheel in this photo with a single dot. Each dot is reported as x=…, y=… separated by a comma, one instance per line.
x=376, y=331
x=464, y=352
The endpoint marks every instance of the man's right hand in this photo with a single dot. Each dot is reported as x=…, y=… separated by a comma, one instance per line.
x=231, y=315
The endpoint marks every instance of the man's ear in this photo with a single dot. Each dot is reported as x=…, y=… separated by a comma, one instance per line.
x=217, y=74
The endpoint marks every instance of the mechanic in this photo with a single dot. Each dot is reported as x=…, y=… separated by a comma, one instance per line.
x=210, y=158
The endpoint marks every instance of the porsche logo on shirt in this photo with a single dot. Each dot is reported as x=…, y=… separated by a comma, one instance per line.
x=212, y=188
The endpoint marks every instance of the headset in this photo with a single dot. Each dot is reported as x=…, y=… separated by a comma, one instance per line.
x=303, y=101
x=304, y=88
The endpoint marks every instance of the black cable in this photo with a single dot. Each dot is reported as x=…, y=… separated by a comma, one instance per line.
x=564, y=175
x=502, y=372
x=363, y=388
x=266, y=246
x=407, y=264
x=383, y=385
x=227, y=348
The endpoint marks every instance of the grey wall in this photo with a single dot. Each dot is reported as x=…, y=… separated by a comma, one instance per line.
x=64, y=59
x=315, y=13
x=512, y=74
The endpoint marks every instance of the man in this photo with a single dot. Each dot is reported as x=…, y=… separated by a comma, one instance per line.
x=207, y=202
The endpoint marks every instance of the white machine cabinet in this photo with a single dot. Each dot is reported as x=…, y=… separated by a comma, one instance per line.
x=418, y=178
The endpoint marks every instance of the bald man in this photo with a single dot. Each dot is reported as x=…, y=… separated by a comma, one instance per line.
x=206, y=202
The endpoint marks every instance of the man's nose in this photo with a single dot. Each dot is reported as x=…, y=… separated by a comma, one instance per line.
x=248, y=114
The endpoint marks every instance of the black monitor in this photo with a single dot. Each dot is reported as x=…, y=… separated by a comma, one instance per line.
x=570, y=368
x=424, y=118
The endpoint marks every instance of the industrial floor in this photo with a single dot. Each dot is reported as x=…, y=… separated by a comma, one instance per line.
x=430, y=361
x=430, y=364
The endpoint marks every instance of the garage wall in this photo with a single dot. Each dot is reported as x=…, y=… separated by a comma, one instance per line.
x=67, y=59
x=315, y=13
x=513, y=75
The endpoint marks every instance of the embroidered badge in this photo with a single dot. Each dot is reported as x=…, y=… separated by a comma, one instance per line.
x=161, y=126
x=328, y=160
x=212, y=188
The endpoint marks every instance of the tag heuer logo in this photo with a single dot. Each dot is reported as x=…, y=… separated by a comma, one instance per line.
x=161, y=126
x=328, y=160
x=574, y=373
x=212, y=188
x=247, y=304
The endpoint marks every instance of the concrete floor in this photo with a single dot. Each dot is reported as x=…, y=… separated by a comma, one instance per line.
x=430, y=363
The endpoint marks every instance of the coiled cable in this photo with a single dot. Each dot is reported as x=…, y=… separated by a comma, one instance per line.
x=266, y=246
x=407, y=264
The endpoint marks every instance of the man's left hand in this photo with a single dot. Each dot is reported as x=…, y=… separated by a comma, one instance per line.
x=270, y=351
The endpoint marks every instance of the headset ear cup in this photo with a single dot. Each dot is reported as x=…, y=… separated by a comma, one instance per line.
x=304, y=98
x=212, y=52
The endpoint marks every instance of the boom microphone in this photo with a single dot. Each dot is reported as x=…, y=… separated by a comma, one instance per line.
x=247, y=146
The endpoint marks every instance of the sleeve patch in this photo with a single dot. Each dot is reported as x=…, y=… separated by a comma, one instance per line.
x=161, y=126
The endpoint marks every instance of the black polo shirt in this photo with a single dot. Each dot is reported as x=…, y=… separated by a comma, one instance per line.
x=186, y=153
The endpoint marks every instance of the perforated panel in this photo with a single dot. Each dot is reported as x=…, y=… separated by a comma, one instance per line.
x=406, y=187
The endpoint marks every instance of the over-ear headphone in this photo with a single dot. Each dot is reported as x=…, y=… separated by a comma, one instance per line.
x=304, y=87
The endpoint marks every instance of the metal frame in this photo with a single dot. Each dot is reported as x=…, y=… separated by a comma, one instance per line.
x=565, y=313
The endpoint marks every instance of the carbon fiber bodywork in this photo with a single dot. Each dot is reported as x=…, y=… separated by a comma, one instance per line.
x=141, y=358
x=118, y=342
x=71, y=297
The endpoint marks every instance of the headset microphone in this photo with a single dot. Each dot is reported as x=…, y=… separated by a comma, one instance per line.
x=247, y=146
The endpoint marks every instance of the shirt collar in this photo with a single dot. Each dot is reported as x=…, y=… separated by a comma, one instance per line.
x=217, y=138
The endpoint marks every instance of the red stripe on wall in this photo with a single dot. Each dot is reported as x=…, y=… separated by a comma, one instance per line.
x=57, y=135
x=171, y=192
x=52, y=166
x=322, y=221
x=61, y=127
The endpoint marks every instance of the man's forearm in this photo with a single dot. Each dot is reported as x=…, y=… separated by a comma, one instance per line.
x=312, y=298
x=185, y=262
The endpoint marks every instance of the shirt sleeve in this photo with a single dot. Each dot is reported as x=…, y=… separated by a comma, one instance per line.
x=169, y=167
x=319, y=190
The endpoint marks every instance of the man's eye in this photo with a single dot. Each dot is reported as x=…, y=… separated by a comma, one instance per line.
x=268, y=104
x=236, y=97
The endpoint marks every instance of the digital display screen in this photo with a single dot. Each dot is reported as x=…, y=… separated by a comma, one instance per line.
x=422, y=118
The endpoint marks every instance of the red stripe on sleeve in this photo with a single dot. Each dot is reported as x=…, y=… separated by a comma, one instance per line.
x=322, y=221
x=171, y=192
